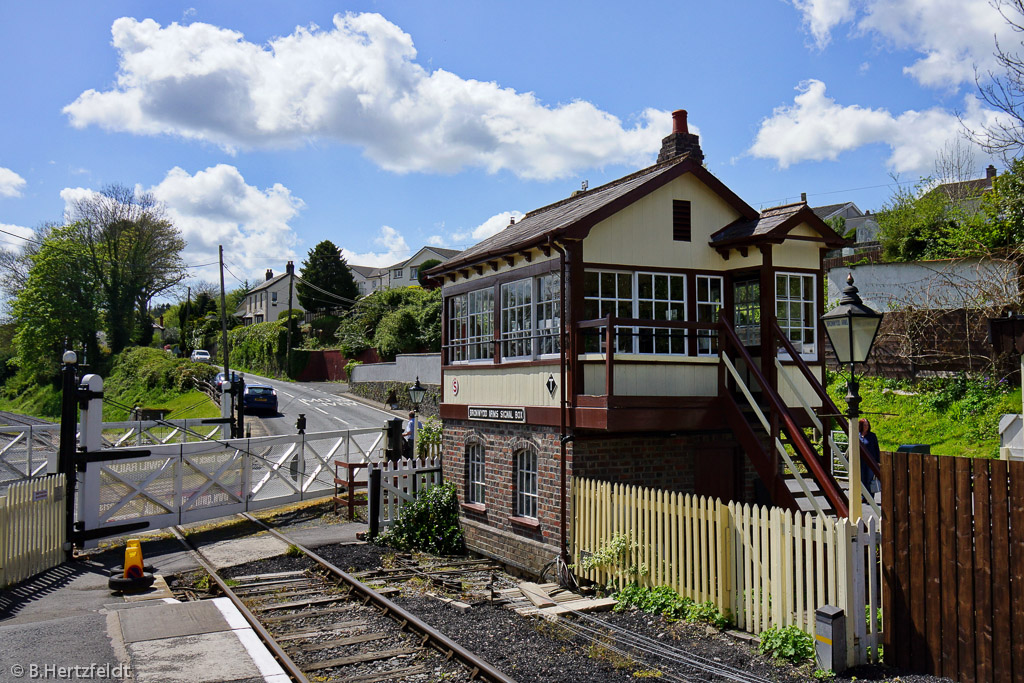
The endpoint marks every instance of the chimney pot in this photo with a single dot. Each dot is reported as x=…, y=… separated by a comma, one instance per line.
x=511, y=220
x=803, y=197
x=270, y=274
x=990, y=172
x=679, y=121
x=290, y=268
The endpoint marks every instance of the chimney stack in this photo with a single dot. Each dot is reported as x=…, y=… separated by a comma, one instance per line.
x=289, y=268
x=803, y=197
x=990, y=172
x=681, y=142
x=270, y=275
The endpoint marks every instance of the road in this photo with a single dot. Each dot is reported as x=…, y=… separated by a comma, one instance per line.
x=324, y=409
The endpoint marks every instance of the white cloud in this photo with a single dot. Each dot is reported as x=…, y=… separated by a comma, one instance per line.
x=10, y=183
x=357, y=83
x=11, y=233
x=952, y=36
x=436, y=241
x=816, y=128
x=395, y=249
x=491, y=226
x=821, y=16
x=217, y=207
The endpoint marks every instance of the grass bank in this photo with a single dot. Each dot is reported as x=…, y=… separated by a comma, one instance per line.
x=955, y=416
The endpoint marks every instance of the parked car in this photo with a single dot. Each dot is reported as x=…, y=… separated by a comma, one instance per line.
x=201, y=356
x=218, y=381
x=260, y=397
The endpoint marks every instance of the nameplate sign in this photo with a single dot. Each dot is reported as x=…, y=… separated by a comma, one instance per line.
x=497, y=414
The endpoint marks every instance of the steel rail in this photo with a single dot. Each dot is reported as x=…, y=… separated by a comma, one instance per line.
x=276, y=650
x=480, y=666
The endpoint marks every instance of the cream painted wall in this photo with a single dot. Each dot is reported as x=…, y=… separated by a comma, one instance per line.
x=699, y=377
x=641, y=234
x=789, y=397
x=797, y=254
x=505, y=386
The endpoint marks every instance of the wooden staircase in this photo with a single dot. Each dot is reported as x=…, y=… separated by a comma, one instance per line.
x=780, y=451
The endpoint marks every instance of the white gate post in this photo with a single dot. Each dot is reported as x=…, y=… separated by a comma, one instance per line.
x=225, y=408
x=92, y=415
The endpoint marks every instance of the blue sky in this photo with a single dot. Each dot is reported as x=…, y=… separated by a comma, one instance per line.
x=383, y=126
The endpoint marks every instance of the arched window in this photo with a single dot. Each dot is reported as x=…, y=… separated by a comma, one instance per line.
x=476, y=485
x=526, y=483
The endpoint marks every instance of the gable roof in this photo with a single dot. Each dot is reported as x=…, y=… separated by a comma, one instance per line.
x=829, y=210
x=573, y=217
x=268, y=283
x=773, y=225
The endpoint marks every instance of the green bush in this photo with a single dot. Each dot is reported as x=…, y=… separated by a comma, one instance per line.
x=429, y=434
x=429, y=524
x=259, y=347
x=789, y=643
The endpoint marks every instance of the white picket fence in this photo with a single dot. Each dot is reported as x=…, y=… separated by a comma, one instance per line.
x=32, y=517
x=763, y=566
x=401, y=482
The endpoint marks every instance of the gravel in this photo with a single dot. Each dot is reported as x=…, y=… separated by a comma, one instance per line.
x=535, y=650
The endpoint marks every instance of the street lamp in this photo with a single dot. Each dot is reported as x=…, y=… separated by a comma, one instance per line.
x=851, y=328
x=416, y=394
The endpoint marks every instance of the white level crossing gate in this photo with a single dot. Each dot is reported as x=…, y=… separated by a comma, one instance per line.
x=162, y=485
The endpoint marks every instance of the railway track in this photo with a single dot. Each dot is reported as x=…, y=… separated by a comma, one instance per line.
x=329, y=625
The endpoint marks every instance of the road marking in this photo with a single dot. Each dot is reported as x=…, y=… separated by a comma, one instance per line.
x=287, y=394
x=321, y=410
x=340, y=420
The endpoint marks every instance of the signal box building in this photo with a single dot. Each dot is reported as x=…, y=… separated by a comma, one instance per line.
x=626, y=334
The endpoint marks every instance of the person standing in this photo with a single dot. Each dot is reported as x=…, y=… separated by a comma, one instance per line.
x=412, y=425
x=869, y=449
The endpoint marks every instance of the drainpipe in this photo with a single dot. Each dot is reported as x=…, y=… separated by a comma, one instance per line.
x=563, y=437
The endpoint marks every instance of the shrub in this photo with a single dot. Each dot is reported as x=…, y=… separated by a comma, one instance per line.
x=428, y=435
x=669, y=604
x=428, y=524
x=789, y=643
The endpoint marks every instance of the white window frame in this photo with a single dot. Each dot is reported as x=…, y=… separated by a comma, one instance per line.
x=807, y=307
x=706, y=339
x=547, y=316
x=517, y=319
x=273, y=298
x=476, y=474
x=526, y=472
x=471, y=348
x=396, y=273
x=413, y=272
x=633, y=346
x=674, y=337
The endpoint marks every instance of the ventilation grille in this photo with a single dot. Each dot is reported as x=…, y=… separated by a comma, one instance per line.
x=680, y=220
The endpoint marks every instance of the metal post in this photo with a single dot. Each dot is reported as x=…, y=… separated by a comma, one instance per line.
x=373, y=500
x=68, y=443
x=92, y=413
x=239, y=388
x=830, y=638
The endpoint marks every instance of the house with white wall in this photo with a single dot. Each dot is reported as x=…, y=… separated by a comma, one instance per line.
x=268, y=300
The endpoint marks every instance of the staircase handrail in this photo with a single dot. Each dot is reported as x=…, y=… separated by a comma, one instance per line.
x=828, y=485
x=819, y=390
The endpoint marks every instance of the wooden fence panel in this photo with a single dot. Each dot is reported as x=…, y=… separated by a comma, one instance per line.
x=955, y=599
x=32, y=528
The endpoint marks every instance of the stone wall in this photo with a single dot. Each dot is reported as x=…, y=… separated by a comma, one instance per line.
x=382, y=391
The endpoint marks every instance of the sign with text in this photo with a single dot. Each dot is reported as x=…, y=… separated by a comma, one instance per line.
x=497, y=414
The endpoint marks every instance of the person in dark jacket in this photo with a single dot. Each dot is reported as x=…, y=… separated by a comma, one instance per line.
x=868, y=449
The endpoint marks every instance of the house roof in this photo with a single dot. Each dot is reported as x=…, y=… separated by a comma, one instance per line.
x=773, y=225
x=829, y=210
x=268, y=283
x=365, y=271
x=573, y=217
x=371, y=272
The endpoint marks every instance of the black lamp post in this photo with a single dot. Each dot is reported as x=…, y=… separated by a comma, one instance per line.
x=851, y=328
x=416, y=394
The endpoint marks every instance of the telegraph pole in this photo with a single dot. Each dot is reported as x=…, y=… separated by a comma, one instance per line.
x=223, y=316
x=186, y=345
x=291, y=279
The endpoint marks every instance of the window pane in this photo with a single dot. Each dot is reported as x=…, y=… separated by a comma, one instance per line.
x=607, y=284
x=625, y=285
x=645, y=286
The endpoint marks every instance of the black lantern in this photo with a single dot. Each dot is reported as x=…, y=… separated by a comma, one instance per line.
x=416, y=393
x=852, y=326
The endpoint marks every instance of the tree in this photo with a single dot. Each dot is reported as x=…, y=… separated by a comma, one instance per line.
x=1004, y=135
x=409, y=316
x=133, y=252
x=58, y=302
x=926, y=223
x=426, y=265
x=325, y=280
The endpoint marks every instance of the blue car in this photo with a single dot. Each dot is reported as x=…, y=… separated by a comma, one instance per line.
x=260, y=397
x=218, y=381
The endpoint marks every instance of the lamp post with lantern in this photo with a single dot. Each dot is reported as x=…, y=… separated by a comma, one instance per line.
x=416, y=394
x=851, y=328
